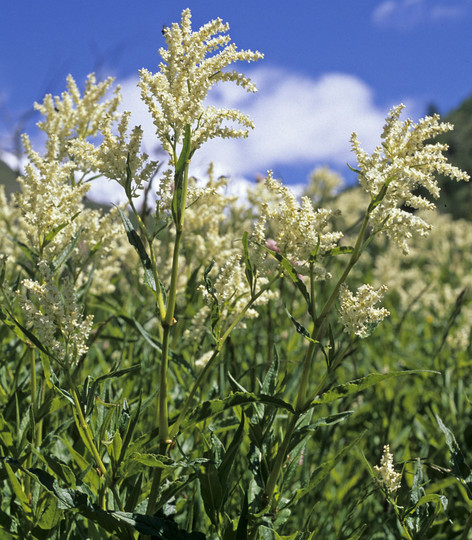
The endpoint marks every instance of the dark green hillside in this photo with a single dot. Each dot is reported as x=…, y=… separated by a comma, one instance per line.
x=8, y=178
x=456, y=198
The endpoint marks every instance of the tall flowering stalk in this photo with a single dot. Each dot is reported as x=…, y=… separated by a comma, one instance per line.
x=405, y=161
x=191, y=65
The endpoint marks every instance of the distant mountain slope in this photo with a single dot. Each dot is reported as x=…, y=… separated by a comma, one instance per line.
x=8, y=178
x=456, y=197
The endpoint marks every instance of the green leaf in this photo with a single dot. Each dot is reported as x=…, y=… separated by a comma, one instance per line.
x=230, y=455
x=270, y=380
x=211, y=490
x=459, y=466
x=249, y=267
x=304, y=431
x=51, y=514
x=135, y=241
x=24, y=334
x=211, y=408
x=380, y=196
x=300, y=328
x=66, y=252
x=3, y=261
x=182, y=163
x=292, y=273
x=129, y=431
x=215, y=310
x=88, y=403
x=121, y=523
x=164, y=462
x=17, y=489
x=51, y=234
x=60, y=469
x=339, y=250
x=241, y=531
x=357, y=385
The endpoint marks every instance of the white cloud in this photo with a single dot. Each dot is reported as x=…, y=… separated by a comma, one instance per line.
x=298, y=119
x=406, y=14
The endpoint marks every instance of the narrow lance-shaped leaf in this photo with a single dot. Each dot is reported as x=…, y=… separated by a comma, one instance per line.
x=211, y=408
x=270, y=380
x=61, y=259
x=301, y=329
x=135, y=241
x=291, y=272
x=459, y=466
x=231, y=453
x=357, y=385
x=249, y=267
x=182, y=163
x=322, y=471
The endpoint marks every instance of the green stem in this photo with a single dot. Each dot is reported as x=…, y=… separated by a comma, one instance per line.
x=279, y=462
x=163, y=419
x=319, y=321
x=167, y=320
x=318, y=325
x=201, y=376
x=34, y=410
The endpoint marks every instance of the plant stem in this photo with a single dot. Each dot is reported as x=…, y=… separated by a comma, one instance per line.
x=34, y=410
x=201, y=376
x=279, y=462
x=167, y=320
x=318, y=325
x=319, y=321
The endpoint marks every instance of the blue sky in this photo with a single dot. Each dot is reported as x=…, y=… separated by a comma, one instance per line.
x=330, y=67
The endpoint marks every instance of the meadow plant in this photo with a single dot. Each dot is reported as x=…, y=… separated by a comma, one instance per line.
x=195, y=369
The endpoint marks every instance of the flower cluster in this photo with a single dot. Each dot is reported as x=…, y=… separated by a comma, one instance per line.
x=48, y=200
x=323, y=184
x=75, y=116
x=117, y=158
x=232, y=293
x=357, y=313
x=175, y=94
x=388, y=478
x=403, y=163
x=55, y=316
x=298, y=229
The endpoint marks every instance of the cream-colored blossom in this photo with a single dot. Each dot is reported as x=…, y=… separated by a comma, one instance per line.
x=388, y=478
x=203, y=360
x=55, y=316
x=51, y=214
x=232, y=291
x=323, y=183
x=75, y=116
x=404, y=162
x=298, y=229
x=192, y=64
x=357, y=313
x=116, y=157
x=48, y=200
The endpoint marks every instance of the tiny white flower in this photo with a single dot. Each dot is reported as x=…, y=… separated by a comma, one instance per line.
x=388, y=478
x=357, y=312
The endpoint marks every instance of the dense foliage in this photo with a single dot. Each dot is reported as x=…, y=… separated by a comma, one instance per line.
x=192, y=366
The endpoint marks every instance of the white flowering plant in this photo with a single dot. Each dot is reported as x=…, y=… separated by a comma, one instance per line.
x=194, y=367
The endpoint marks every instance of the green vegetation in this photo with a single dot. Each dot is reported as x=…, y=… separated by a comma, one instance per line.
x=196, y=368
